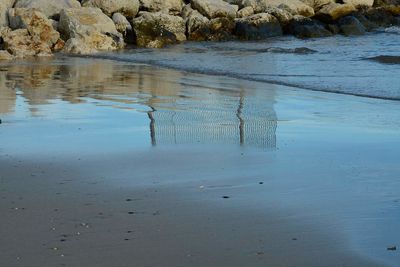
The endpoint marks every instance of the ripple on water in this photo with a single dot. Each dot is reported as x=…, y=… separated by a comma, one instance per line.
x=334, y=64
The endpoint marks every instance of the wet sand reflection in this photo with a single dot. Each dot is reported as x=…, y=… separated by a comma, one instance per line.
x=180, y=108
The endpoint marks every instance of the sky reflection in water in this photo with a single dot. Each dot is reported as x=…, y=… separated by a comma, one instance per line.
x=176, y=108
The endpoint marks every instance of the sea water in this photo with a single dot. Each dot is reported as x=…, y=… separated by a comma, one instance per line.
x=346, y=65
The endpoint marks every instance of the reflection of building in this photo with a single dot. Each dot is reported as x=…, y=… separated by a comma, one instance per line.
x=222, y=119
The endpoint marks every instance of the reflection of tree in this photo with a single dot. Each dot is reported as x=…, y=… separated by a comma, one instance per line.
x=178, y=112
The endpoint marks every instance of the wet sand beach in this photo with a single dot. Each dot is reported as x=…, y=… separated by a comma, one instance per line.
x=106, y=163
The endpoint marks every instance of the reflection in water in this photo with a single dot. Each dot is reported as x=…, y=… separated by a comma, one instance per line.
x=181, y=109
x=240, y=122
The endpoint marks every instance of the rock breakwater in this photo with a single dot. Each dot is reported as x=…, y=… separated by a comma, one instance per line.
x=43, y=27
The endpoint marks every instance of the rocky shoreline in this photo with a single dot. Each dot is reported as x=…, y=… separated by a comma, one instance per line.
x=43, y=27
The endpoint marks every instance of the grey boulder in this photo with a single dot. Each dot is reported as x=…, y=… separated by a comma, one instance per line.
x=4, y=6
x=303, y=27
x=167, y=6
x=128, y=8
x=215, y=8
x=158, y=29
x=351, y=26
x=258, y=26
x=88, y=30
x=51, y=8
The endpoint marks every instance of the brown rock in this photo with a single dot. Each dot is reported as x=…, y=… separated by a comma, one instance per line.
x=245, y=12
x=128, y=8
x=124, y=27
x=158, y=29
x=90, y=43
x=167, y=6
x=317, y=4
x=90, y=30
x=197, y=25
x=221, y=29
x=395, y=10
x=296, y=7
x=334, y=11
x=258, y=26
x=5, y=55
x=359, y=3
x=284, y=16
x=59, y=45
x=51, y=8
x=21, y=44
x=40, y=28
x=215, y=8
